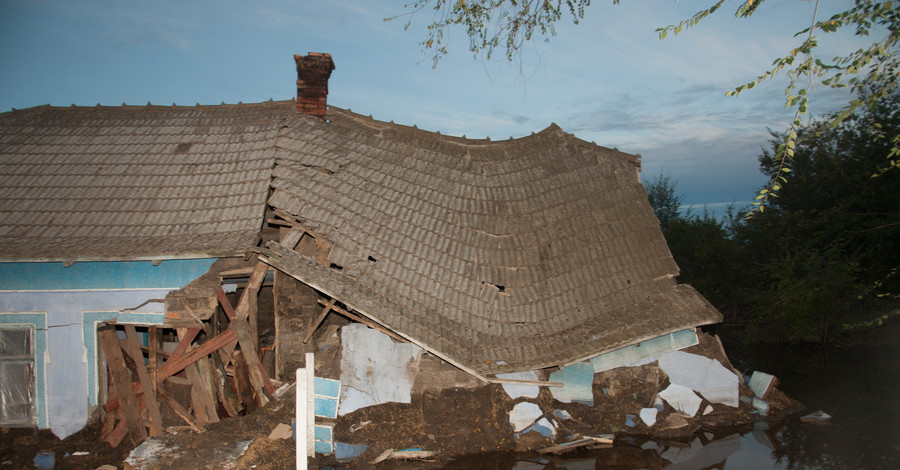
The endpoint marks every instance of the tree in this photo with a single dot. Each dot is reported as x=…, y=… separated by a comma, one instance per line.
x=507, y=25
x=665, y=203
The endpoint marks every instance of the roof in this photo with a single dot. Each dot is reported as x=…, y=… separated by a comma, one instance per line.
x=134, y=182
x=498, y=256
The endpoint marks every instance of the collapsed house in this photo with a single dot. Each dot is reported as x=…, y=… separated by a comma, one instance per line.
x=501, y=258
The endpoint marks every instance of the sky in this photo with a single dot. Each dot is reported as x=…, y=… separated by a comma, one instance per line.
x=609, y=79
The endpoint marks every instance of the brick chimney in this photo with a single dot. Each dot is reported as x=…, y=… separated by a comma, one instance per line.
x=313, y=71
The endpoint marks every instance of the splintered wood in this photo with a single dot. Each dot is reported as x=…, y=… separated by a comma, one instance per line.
x=223, y=371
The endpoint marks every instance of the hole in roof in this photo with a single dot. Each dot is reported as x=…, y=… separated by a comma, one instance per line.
x=372, y=259
x=336, y=267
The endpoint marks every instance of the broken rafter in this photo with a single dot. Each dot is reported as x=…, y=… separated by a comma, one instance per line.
x=173, y=366
x=364, y=321
x=312, y=328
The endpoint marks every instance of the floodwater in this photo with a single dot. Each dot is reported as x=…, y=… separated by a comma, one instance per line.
x=857, y=387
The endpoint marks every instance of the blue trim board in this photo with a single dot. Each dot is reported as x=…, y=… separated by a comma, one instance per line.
x=38, y=321
x=89, y=336
x=106, y=275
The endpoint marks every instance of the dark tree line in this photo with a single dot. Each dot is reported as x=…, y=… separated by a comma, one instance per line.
x=822, y=258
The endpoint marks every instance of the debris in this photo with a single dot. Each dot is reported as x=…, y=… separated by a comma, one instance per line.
x=648, y=416
x=358, y=426
x=629, y=420
x=44, y=460
x=681, y=398
x=760, y=383
x=520, y=390
x=80, y=453
x=344, y=452
x=375, y=369
x=578, y=381
x=282, y=431
x=604, y=440
x=524, y=415
x=817, y=417
x=706, y=376
x=761, y=406
x=405, y=454
x=545, y=428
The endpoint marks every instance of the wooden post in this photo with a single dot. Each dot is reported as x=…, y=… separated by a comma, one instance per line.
x=153, y=344
x=300, y=443
x=133, y=349
x=310, y=404
x=121, y=382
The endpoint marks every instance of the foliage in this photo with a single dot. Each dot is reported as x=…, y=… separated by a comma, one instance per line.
x=493, y=24
x=823, y=259
x=509, y=24
x=663, y=200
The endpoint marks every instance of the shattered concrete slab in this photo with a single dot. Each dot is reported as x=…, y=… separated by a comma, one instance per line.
x=375, y=369
x=524, y=415
x=578, y=384
x=681, y=398
x=760, y=382
x=706, y=376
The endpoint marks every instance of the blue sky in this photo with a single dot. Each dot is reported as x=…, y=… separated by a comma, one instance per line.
x=609, y=80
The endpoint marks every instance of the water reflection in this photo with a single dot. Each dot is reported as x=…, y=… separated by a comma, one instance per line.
x=857, y=386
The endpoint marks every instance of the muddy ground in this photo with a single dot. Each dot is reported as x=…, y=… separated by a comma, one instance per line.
x=454, y=422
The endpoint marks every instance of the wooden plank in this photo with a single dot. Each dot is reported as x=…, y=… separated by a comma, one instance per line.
x=180, y=410
x=153, y=355
x=252, y=289
x=539, y=383
x=310, y=365
x=121, y=382
x=118, y=433
x=365, y=321
x=227, y=395
x=242, y=381
x=201, y=391
x=292, y=238
x=133, y=349
x=172, y=367
x=258, y=378
x=183, y=344
x=224, y=302
x=315, y=325
x=300, y=442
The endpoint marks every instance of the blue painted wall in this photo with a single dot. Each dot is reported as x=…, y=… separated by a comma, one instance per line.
x=65, y=304
x=107, y=275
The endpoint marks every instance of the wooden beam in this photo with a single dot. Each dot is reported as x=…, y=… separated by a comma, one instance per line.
x=252, y=289
x=152, y=359
x=172, y=367
x=133, y=349
x=242, y=381
x=365, y=321
x=180, y=410
x=183, y=344
x=121, y=382
x=226, y=392
x=318, y=321
x=525, y=382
